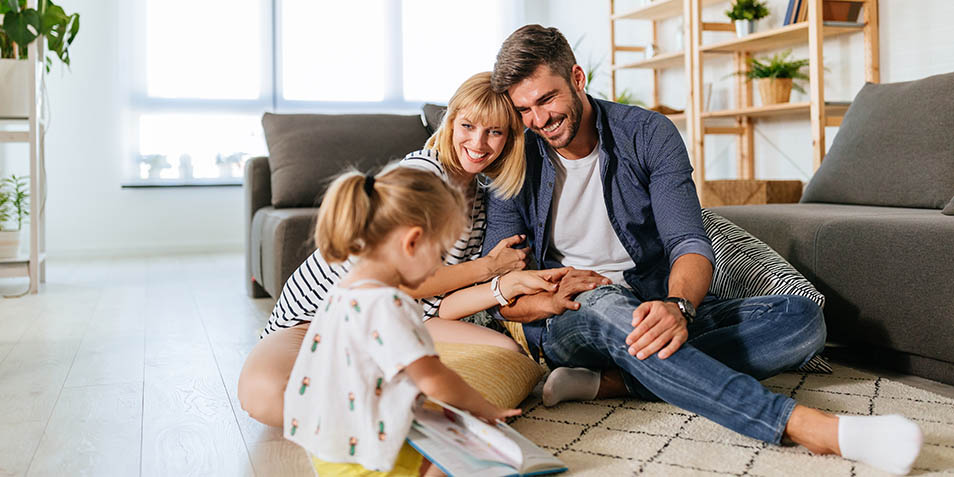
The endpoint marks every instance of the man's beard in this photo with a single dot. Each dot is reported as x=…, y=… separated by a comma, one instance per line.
x=572, y=122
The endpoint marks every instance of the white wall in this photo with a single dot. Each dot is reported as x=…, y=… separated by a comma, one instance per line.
x=87, y=211
x=916, y=41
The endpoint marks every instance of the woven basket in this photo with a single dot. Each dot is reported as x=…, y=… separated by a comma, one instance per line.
x=775, y=90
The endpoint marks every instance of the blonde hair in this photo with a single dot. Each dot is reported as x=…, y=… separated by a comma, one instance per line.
x=354, y=219
x=486, y=107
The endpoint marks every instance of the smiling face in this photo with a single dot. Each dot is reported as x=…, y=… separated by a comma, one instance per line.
x=477, y=144
x=549, y=105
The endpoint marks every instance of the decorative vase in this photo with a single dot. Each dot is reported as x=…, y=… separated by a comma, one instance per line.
x=15, y=93
x=744, y=27
x=9, y=243
x=775, y=90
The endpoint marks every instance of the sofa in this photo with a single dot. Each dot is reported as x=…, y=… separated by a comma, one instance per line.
x=283, y=191
x=874, y=230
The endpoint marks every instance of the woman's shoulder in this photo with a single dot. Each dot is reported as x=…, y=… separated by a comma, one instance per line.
x=425, y=159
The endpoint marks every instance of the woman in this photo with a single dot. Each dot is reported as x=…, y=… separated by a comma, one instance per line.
x=480, y=138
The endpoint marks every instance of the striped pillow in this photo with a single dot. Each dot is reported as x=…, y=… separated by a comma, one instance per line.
x=745, y=266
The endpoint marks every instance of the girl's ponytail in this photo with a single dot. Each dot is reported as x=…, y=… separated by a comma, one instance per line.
x=358, y=211
x=343, y=218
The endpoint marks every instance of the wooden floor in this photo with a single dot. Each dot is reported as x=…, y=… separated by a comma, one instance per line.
x=129, y=367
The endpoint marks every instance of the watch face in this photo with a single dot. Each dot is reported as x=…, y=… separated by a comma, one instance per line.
x=689, y=308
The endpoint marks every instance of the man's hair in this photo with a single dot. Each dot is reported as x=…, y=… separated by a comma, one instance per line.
x=528, y=48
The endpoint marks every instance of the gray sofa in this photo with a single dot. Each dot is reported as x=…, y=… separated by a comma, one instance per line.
x=283, y=191
x=875, y=228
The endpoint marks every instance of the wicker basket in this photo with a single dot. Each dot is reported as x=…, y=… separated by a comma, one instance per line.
x=775, y=90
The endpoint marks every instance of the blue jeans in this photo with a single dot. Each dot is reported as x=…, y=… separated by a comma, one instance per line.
x=732, y=344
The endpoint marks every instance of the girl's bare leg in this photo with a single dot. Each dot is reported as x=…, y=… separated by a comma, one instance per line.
x=261, y=386
x=453, y=331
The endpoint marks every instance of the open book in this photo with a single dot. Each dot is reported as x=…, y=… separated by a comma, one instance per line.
x=462, y=445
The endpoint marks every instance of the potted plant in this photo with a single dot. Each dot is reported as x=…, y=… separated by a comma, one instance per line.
x=774, y=76
x=20, y=27
x=13, y=211
x=745, y=13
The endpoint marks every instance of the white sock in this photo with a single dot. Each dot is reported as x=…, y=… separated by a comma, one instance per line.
x=890, y=443
x=570, y=384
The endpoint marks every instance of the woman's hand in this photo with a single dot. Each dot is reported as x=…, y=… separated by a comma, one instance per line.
x=528, y=282
x=505, y=258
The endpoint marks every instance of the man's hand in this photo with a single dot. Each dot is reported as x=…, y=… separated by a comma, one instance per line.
x=505, y=258
x=657, y=326
x=572, y=282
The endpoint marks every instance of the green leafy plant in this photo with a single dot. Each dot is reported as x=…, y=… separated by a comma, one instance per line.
x=14, y=201
x=747, y=10
x=22, y=25
x=778, y=66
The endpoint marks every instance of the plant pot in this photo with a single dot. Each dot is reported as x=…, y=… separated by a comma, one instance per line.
x=775, y=90
x=9, y=243
x=15, y=93
x=744, y=27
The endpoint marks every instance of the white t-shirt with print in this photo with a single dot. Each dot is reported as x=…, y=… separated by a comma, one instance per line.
x=347, y=400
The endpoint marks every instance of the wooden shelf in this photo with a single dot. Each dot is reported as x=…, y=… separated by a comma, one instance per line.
x=18, y=266
x=14, y=136
x=658, y=10
x=778, y=38
x=834, y=109
x=665, y=60
x=676, y=118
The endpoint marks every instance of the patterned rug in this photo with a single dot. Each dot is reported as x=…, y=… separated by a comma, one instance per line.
x=629, y=437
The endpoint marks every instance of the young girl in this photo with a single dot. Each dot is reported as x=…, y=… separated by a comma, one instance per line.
x=367, y=356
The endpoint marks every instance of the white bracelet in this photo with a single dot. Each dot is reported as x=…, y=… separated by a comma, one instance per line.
x=495, y=288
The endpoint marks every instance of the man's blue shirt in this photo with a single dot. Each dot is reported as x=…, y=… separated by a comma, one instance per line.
x=647, y=185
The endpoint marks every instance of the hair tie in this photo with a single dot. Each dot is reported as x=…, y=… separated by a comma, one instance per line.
x=368, y=184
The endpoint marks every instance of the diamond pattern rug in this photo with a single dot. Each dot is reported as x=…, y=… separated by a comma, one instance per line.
x=630, y=437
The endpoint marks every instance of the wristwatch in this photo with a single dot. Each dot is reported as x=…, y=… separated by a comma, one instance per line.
x=495, y=288
x=685, y=306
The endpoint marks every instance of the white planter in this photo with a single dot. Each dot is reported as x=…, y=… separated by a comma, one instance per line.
x=15, y=93
x=744, y=27
x=9, y=243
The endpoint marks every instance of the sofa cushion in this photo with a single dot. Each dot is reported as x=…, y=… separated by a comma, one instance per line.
x=307, y=150
x=894, y=148
x=432, y=115
x=889, y=281
x=283, y=240
x=745, y=266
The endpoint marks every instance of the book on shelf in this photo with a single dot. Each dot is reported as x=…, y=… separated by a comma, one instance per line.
x=462, y=445
x=789, y=11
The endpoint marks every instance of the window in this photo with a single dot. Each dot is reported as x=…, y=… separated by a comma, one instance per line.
x=203, y=72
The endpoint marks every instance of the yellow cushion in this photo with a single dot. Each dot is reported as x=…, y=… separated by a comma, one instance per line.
x=503, y=377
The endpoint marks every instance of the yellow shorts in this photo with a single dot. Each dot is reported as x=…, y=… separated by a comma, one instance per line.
x=408, y=464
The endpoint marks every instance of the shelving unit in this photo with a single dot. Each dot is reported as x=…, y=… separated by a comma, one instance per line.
x=742, y=116
x=33, y=264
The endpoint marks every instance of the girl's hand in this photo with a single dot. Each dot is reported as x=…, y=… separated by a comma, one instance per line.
x=504, y=257
x=491, y=414
x=528, y=282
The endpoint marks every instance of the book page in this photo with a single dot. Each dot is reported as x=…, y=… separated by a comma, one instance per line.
x=451, y=459
x=490, y=434
x=450, y=428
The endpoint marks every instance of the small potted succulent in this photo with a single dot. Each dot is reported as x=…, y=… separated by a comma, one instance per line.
x=14, y=206
x=745, y=14
x=775, y=76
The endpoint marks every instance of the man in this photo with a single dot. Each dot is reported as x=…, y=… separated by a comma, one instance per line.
x=609, y=192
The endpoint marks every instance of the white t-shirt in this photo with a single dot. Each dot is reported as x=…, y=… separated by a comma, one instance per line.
x=347, y=400
x=581, y=235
